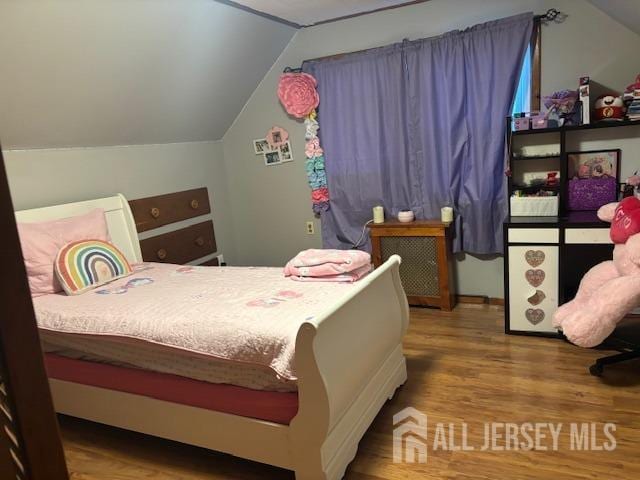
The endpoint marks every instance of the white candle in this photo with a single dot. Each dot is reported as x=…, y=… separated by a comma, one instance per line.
x=378, y=214
x=446, y=214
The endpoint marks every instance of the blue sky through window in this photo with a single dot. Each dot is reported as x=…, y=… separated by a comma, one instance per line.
x=522, y=102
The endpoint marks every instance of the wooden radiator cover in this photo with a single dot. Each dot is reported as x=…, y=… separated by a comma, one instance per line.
x=425, y=249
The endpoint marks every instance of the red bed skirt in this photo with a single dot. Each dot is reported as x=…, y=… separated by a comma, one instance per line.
x=277, y=407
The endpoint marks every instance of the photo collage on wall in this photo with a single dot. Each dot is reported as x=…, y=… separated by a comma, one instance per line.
x=275, y=147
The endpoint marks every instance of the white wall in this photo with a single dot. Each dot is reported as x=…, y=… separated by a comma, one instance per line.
x=270, y=205
x=51, y=176
x=128, y=72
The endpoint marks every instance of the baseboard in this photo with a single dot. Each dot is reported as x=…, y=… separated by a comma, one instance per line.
x=479, y=300
x=474, y=299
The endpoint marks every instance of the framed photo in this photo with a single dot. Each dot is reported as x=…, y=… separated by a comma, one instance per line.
x=260, y=146
x=286, y=155
x=272, y=157
x=594, y=164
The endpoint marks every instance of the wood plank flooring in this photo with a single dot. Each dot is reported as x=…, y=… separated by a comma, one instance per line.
x=462, y=368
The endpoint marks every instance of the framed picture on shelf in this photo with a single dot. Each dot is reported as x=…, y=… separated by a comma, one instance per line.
x=593, y=179
x=272, y=158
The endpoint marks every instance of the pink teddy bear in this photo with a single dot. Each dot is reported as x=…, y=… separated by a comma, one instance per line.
x=611, y=289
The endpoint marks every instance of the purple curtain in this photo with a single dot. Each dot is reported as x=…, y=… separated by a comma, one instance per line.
x=419, y=125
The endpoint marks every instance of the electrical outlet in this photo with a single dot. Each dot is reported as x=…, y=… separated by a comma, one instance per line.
x=310, y=228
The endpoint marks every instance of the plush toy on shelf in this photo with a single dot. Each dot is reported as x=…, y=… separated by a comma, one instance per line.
x=609, y=107
x=562, y=108
x=611, y=289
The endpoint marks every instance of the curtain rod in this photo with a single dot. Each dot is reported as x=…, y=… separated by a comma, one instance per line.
x=551, y=15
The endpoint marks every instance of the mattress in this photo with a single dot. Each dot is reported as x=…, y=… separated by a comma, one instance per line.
x=156, y=358
x=275, y=407
x=232, y=325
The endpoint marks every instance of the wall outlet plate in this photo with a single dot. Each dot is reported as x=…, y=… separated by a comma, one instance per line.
x=311, y=229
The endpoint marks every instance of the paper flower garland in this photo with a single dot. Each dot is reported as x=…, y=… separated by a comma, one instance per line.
x=312, y=148
x=311, y=128
x=298, y=95
x=297, y=92
x=314, y=165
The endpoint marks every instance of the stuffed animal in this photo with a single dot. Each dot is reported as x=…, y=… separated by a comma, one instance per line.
x=611, y=289
x=609, y=107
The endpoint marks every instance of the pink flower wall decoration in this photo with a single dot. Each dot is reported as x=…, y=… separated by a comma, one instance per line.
x=297, y=93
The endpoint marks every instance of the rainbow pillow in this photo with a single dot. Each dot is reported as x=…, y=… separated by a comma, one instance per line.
x=86, y=264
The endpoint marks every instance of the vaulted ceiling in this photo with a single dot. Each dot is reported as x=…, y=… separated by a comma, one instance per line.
x=627, y=12
x=310, y=12
x=121, y=72
x=82, y=73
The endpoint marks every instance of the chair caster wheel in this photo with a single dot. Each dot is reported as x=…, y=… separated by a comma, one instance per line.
x=596, y=370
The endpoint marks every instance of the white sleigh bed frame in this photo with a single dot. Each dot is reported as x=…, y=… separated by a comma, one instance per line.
x=349, y=362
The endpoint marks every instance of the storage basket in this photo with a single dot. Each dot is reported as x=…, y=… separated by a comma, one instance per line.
x=534, y=206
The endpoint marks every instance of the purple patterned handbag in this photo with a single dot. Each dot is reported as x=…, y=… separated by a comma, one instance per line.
x=591, y=193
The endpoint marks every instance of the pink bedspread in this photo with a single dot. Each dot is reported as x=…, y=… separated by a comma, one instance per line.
x=240, y=314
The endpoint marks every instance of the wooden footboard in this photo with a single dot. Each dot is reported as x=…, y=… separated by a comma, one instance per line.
x=349, y=361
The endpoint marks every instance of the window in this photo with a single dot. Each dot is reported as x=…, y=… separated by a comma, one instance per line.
x=522, y=101
x=527, y=97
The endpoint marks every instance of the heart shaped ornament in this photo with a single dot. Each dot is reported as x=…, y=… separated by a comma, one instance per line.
x=537, y=298
x=535, y=277
x=626, y=221
x=534, y=257
x=534, y=315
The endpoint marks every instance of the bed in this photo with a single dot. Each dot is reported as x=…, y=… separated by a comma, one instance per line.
x=335, y=405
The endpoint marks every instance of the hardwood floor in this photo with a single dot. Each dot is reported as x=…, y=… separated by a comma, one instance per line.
x=462, y=368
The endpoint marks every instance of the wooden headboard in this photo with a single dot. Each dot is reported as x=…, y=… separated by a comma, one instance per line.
x=176, y=245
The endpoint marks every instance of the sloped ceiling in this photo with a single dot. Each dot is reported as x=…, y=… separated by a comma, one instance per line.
x=626, y=12
x=122, y=72
x=309, y=12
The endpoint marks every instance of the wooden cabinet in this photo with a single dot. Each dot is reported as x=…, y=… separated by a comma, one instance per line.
x=180, y=246
x=554, y=251
x=545, y=259
x=154, y=212
x=425, y=249
x=193, y=244
x=533, y=287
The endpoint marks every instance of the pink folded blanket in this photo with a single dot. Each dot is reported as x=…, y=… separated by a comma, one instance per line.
x=320, y=262
x=347, y=277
